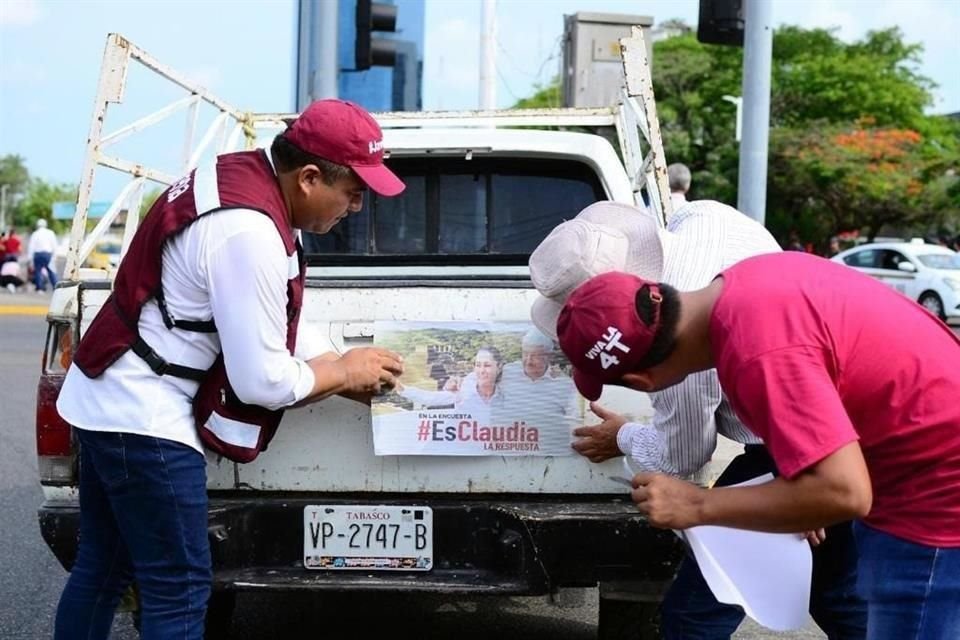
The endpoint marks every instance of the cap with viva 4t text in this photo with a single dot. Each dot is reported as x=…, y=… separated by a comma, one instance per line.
x=344, y=133
x=601, y=333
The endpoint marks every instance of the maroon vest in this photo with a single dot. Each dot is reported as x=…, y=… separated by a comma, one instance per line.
x=244, y=180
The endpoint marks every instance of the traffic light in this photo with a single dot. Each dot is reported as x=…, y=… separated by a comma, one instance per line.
x=721, y=22
x=372, y=51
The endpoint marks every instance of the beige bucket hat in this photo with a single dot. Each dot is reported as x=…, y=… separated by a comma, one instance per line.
x=604, y=237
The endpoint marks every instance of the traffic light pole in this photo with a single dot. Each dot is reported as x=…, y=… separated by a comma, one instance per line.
x=757, y=54
x=328, y=67
x=317, y=64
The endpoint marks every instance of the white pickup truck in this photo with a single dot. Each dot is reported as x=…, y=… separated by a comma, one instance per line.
x=454, y=247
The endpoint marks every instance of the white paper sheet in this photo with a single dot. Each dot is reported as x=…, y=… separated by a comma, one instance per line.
x=768, y=574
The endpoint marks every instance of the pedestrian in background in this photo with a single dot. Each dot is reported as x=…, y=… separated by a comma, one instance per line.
x=794, y=244
x=834, y=247
x=10, y=275
x=43, y=242
x=678, y=175
x=853, y=388
x=11, y=245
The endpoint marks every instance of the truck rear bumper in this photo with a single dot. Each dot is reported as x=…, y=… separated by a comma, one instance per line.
x=482, y=545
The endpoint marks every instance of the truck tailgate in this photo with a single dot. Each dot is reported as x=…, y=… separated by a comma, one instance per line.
x=328, y=446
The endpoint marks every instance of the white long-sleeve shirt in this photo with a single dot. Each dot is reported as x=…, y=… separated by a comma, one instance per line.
x=230, y=265
x=705, y=238
x=42, y=240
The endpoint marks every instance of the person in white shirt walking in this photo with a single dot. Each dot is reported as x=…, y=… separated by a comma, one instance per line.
x=40, y=248
x=700, y=241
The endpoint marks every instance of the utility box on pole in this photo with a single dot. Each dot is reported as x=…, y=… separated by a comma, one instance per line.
x=592, y=67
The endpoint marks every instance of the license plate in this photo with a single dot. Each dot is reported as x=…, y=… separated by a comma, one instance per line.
x=368, y=537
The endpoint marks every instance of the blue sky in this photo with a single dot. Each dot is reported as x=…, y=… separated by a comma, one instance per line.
x=242, y=50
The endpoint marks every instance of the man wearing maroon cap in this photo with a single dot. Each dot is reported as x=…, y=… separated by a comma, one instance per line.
x=211, y=286
x=853, y=388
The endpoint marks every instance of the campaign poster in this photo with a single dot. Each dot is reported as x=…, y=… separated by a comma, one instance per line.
x=475, y=389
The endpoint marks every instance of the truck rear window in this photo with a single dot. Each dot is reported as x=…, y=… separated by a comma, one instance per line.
x=452, y=207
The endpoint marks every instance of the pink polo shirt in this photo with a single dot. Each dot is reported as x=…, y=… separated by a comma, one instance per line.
x=814, y=355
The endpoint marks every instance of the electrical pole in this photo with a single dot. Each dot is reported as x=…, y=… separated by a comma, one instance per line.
x=757, y=56
x=318, y=68
x=488, y=53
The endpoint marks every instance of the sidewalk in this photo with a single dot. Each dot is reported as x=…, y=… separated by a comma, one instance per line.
x=24, y=303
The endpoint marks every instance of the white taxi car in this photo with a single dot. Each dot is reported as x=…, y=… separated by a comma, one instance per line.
x=927, y=273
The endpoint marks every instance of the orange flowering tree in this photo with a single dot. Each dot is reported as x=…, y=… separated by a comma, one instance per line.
x=830, y=178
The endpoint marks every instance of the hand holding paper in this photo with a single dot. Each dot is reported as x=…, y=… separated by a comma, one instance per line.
x=768, y=574
x=667, y=501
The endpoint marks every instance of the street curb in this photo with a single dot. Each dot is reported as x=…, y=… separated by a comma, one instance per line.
x=22, y=310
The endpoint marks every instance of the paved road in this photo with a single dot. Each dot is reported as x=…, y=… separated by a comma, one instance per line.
x=31, y=579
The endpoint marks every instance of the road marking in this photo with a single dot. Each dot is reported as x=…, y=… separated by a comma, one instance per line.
x=22, y=310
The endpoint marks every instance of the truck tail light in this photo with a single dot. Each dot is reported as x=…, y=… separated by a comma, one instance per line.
x=56, y=453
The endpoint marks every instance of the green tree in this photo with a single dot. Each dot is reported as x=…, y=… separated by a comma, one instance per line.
x=816, y=77
x=820, y=86
x=544, y=97
x=839, y=178
x=38, y=201
x=698, y=125
x=14, y=175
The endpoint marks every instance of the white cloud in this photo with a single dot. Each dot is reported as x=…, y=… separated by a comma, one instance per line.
x=19, y=13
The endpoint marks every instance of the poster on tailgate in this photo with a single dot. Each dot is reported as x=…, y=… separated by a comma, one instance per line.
x=475, y=389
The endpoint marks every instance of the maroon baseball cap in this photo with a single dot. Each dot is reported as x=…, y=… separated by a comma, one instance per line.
x=600, y=332
x=344, y=133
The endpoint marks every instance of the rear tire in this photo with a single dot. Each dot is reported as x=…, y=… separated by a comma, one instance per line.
x=628, y=620
x=932, y=303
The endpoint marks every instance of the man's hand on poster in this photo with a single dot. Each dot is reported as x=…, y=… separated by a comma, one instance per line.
x=667, y=502
x=598, y=442
x=368, y=371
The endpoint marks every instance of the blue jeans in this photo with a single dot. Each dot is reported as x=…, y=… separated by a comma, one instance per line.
x=691, y=612
x=143, y=516
x=912, y=590
x=41, y=265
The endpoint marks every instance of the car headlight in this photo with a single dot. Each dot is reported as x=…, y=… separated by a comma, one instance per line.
x=953, y=283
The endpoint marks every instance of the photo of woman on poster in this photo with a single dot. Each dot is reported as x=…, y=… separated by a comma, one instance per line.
x=474, y=388
x=478, y=393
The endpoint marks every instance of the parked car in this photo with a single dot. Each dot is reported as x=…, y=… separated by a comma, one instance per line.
x=927, y=273
x=105, y=255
